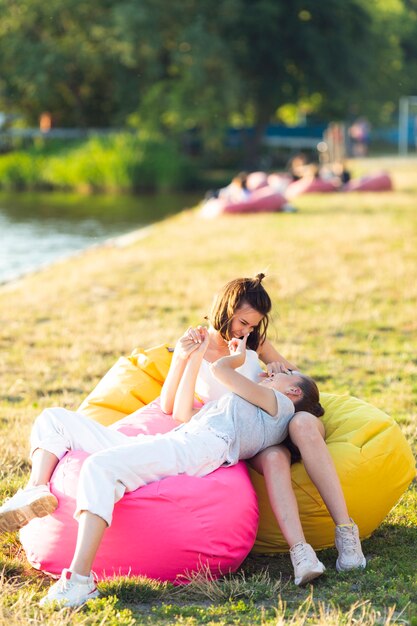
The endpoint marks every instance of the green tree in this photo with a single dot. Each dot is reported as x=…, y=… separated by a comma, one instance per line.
x=242, y=59
x=408, y=43
x=284, y=52
x=57, y=56
x=172, y=67
x=387, y=67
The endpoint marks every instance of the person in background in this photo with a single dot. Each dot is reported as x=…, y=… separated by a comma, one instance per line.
x=360, y=134
x=237, y=190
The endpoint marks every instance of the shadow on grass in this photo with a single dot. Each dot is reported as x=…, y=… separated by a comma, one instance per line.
x=388, y=580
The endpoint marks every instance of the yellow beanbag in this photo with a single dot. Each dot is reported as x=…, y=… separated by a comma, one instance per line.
x=375, y=466
x=130, y=384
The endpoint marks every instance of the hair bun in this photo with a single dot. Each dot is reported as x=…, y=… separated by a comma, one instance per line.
x=259, y=277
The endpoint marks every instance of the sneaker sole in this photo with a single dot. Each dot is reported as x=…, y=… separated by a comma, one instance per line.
x=10, y=521
x=59, y=604
x=309, y=576
x=361, y=565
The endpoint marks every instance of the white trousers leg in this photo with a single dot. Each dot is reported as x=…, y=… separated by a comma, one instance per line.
x=59, y=430
x=107, y=475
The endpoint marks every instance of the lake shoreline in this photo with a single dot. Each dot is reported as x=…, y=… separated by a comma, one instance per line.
x=40, y=229
x=119, y=241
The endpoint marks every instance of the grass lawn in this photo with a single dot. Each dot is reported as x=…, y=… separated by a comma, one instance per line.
x=342, y=274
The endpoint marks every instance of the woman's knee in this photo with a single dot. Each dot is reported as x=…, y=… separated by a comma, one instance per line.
x=306, y=427
x=274, y=458
x=94, y=466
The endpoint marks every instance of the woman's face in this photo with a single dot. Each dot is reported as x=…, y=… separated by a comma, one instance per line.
x=281, y=382
x=244, y=321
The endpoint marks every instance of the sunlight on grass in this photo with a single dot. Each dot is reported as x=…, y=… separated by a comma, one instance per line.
x=203, y=586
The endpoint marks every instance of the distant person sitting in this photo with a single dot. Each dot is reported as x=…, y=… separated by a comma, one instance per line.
x=298, y=166
x=336, y=172
x=237, y=190
x=341, y=172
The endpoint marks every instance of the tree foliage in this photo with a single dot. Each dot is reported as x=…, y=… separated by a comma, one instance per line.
x=200, y=64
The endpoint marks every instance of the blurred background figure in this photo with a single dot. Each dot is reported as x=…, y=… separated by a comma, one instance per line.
x=237, y=190
x=299, y=166
x=359, y=133
x=45, y=122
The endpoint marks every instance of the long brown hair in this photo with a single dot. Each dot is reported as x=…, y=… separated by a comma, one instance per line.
x=236, y=294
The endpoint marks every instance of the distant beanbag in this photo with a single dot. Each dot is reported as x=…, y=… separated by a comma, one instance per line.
x=374, y=463
x=263, y=200
x=130, y=384
x=162, y=530
x=308, y=184
x=374, y=182
x=256, y=180
x=279, y=182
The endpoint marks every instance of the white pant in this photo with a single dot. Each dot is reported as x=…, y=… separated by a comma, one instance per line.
x=119, y=463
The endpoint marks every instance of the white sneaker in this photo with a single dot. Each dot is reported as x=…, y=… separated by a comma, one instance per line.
x=349, y=547
x=305, y=562
x=26, y=504
x=70, y=590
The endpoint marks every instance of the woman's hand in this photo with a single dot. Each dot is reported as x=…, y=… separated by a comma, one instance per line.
x=201, y=337
x=237, y=350
x=186, y=344
x=193, y=342
x=237, y=346
x=277, y=367
x=194, y=339
x=274, y=361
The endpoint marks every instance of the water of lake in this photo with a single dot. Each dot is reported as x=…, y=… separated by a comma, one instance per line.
x=37, y=229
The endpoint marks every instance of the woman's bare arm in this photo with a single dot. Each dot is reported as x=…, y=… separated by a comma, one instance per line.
x=183, y=408
x=224, y=370
x=185, y=346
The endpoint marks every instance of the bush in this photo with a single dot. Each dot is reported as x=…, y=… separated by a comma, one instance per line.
x=21, y=170
x=119, y=162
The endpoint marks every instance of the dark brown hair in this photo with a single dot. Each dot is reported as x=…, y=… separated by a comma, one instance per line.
x=310, y=401
x=236, y=294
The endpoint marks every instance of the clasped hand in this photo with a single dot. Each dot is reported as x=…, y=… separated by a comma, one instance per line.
x=237, y=350
x=193, y=340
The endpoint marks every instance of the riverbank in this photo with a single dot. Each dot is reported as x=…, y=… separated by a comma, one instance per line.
x=341, y=273
x=120, y=241
x=40, y=228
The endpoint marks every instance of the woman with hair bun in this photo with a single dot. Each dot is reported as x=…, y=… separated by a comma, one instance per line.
x=242, y=309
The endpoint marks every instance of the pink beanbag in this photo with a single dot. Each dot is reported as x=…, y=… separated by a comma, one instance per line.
x=256, y=180
x=308, y=184
x=279, y=182
x=264, y=200
x=374, y=182
x=162, y=530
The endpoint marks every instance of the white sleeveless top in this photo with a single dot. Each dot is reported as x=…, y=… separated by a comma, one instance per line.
x=209, y=388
